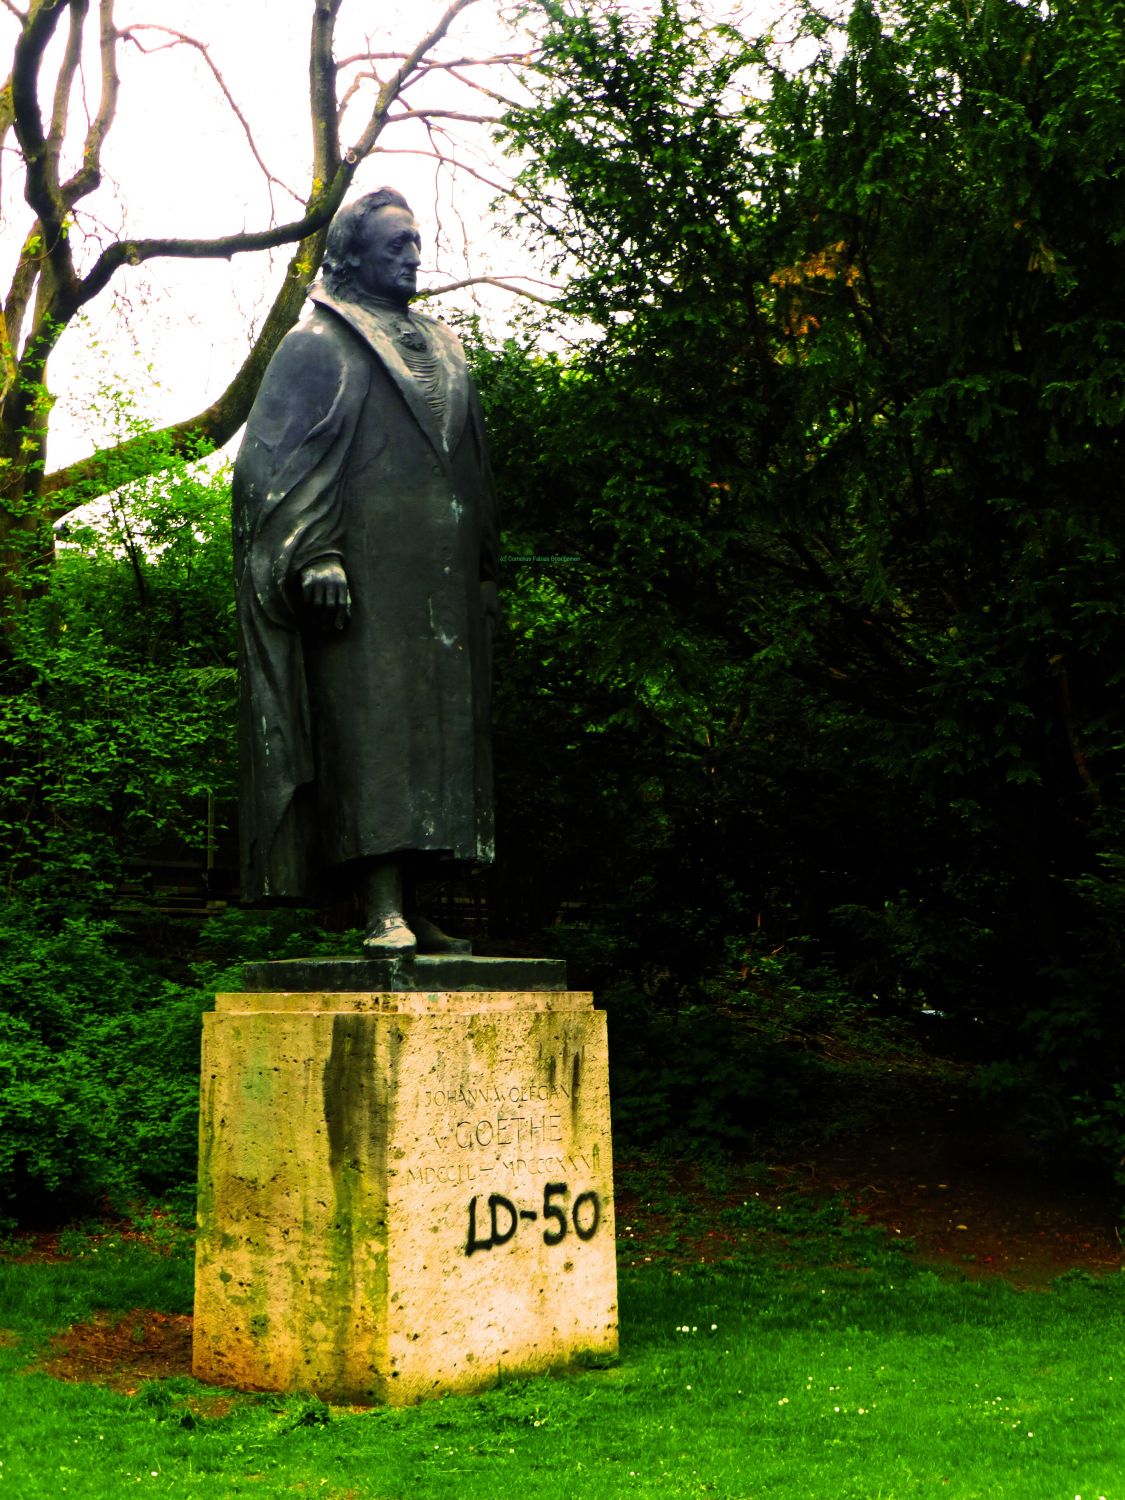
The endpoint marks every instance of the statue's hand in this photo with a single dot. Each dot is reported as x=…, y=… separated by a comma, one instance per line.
x=325, y=594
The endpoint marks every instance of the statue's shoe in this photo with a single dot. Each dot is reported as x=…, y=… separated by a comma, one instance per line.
x=390, y=938
x=431, y=939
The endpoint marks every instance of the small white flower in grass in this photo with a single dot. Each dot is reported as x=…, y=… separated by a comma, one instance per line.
x=784, y=1401
x=714, y=1326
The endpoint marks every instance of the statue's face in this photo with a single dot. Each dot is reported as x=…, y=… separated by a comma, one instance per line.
x=389, y=267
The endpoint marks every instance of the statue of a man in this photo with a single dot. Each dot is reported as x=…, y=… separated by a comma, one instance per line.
x=365, y=554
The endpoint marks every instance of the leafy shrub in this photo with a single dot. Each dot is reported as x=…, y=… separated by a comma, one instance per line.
x=99, y=1053
x=98, y=1066
x=119, y=689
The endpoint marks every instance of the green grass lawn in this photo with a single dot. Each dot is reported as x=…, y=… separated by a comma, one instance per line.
x=821, y=1366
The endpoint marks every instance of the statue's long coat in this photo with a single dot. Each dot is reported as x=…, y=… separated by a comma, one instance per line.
x=373, y=739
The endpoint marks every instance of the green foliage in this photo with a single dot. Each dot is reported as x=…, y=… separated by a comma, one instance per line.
x=119, y=688
x=117, y=718
x=98, y=1068
x=696, y=1075
x=99, y=1054
x=842, y=464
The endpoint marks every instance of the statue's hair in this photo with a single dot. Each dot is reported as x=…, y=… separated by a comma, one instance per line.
x=347, y=235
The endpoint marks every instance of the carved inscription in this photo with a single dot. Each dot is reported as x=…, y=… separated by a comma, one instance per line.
x=499, y=1093
x=454, y=1173
x=485, y=1127
x=498, y=1130
x=449, y=1173
x=503, y=1218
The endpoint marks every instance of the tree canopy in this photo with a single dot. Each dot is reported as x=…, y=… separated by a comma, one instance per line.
x=809, y=701
x=842, y=465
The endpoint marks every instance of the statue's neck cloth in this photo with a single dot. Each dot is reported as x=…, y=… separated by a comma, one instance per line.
x=423, y=363
x=422, y=357
x=414, y=345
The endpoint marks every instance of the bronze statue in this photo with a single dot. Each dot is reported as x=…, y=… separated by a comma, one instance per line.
x=365, y=555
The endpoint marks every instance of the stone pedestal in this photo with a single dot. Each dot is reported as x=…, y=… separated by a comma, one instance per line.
x=402, y=1194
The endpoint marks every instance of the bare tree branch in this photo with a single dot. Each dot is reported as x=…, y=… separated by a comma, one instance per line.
x=393, y=87
x=506, y=284
x=222, y=247
x=72, y=56
x=429, y=64
x=89, y=174
x=352, y=89
x=490, y=182
x=361, y=78
x=441, y=114
x=322, y=90
x=508, y=189
x=434, y=65
x=453, y=70
x=180, y=38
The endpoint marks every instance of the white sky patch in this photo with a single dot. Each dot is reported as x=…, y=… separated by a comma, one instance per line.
x=177, y=162
x=171, y=333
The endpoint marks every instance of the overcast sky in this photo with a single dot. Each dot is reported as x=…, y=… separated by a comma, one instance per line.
x=177, y=162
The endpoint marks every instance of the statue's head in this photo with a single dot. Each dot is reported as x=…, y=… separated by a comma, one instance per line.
x=374, y=247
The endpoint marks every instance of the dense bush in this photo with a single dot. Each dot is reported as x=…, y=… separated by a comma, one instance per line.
x=842, y=468
x=99, y=1049
x=99, y=1064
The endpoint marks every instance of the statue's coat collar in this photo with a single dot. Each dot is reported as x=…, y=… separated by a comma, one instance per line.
x=377, y=324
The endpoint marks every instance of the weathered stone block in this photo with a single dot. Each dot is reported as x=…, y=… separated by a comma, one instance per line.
x=402, y=1194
